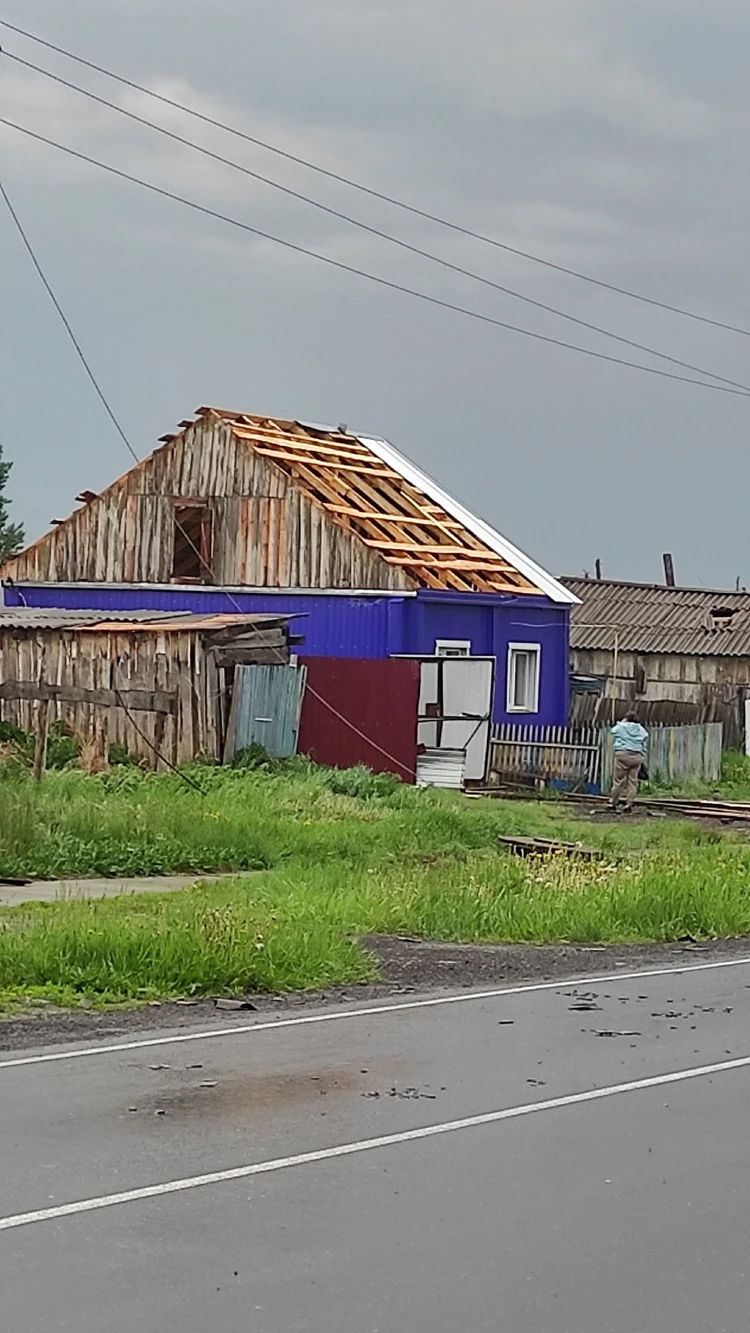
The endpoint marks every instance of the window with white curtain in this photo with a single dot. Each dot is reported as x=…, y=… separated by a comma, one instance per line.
x=523, y=677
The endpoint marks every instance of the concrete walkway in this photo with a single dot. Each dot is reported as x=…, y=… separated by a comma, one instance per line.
x=51, y=890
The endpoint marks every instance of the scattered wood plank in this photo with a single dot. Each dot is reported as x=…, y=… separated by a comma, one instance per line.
x=548, y=846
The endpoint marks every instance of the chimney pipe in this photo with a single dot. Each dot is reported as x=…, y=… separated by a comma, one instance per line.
x=668, y=570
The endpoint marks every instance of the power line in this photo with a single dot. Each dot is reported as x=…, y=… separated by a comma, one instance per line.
x=232, y=600
x=363, y=273
x=154, y=748
x=377, y=194
x=69, y=330
x=366, y=227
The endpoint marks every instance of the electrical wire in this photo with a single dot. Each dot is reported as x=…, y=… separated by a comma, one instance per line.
x=376, y=194
x=366, y=227
x=232, y=600
x=145, y=737
x=364, y=273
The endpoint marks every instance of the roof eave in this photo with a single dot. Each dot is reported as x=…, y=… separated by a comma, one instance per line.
x=545, y=582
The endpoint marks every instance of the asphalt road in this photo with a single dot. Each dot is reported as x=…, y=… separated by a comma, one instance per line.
x=488, y=1163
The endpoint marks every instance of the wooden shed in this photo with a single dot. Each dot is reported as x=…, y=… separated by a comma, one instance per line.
x=678, y=655
x=158, y=685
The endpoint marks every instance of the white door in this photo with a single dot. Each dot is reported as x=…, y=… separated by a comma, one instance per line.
x=457, y=692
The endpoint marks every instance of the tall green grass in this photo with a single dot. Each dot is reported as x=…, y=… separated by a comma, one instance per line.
x=295, y=927
x=129, y=823
x=339, y=856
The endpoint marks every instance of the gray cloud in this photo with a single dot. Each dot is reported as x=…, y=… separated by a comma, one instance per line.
x=606, y=137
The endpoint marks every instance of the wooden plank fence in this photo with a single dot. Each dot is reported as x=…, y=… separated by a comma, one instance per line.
x=568, y=756
x=581, y=758
x=674, y=753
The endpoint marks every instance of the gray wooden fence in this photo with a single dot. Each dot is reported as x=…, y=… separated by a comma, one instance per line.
x=580, y=758
x=567, y=756
x=675, y=753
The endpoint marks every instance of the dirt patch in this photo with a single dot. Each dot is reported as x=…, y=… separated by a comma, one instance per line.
x=243, y=1099
x=406, y=966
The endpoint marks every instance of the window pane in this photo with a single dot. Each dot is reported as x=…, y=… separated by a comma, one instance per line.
x=523, y=679
x=521, y=682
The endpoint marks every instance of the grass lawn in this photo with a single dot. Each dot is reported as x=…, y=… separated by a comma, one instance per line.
x=340, y=854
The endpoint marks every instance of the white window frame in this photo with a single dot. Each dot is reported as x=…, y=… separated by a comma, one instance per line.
x=514, y=649
x=442, y=647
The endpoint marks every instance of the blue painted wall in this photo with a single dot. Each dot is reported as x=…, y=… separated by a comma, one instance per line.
x=370, y=627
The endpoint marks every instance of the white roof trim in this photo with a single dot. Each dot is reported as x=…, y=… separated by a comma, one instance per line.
x=556, y=591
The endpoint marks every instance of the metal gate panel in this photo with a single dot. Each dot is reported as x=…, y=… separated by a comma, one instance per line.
x=266, y=704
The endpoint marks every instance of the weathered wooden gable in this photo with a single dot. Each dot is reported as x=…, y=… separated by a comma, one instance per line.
x=264, y=531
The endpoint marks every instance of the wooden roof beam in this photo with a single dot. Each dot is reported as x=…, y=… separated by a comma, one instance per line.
x=282, y=457
x=437, y=549
x=412, y=520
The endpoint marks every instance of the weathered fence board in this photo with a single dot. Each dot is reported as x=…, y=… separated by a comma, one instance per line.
x=674, y=753
x=265, y=710
x=568, y=755
x=581, y=758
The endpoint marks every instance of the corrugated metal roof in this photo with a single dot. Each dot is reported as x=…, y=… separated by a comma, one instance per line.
x=32, y=618
x=441, y=768
x=651, y=618
x=369, y=488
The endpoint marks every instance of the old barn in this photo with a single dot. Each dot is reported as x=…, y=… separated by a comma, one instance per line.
x=159, y=686
x=679, y=655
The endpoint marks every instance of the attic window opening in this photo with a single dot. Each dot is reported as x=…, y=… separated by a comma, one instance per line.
x=193, y=544
x=721, y=616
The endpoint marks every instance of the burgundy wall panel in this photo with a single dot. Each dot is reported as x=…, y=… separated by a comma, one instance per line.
x=378, y=699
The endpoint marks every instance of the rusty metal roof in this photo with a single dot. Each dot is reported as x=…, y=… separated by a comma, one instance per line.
x=367, y=487
x=184, y=621
x=651, y=618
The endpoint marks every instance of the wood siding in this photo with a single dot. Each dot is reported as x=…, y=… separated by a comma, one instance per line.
x=177, y=665
x=665, y=688
x=266, y=533
x=662, y=676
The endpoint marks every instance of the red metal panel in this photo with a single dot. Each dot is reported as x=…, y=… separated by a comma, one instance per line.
x=360, y=711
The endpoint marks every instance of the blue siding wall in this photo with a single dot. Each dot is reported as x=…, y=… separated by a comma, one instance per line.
x=491, y=623
x=369, y=627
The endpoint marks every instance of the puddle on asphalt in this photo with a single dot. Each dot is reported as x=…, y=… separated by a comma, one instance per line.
x=209, y=1095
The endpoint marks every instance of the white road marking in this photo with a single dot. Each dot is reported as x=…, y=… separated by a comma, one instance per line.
x=362, y=1145
x=208, y=1034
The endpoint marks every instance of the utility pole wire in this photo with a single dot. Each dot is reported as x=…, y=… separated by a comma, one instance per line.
x=79, y=350
x=364, y=273
x=377, y=194
x=232, y=600
x=366, y=227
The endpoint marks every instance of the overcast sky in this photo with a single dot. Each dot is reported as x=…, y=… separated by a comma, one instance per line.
x=608, y=135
